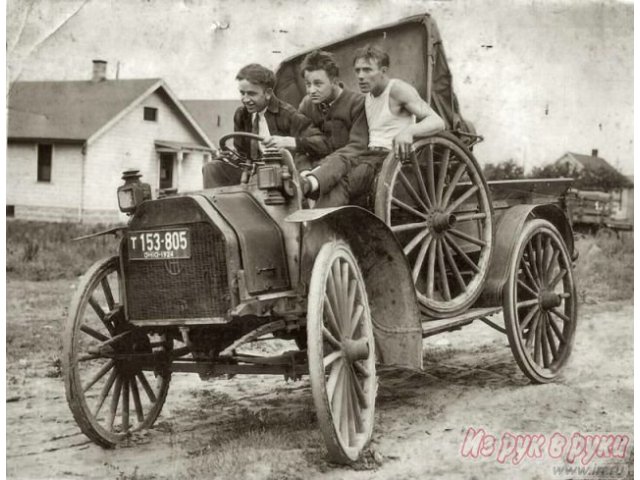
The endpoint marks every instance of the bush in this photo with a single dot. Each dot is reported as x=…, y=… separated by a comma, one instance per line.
x=45, y=251
x=602, y=179
x=507, y=170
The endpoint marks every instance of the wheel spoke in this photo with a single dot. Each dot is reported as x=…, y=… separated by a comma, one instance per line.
x=461, y=199
x=147, y=387
x=470, y=216
x=99, y=374
x=351, y=411
x=420, y=180
x=560, y=275
x=404, y=206
x=408, y=248
x=336, y=273
x=527, y=303
x=361, y=369
x=331, y=318
x=105, y=392
x=549, y=267
x=546, y=353
x=353, y=286
x=115, y=399
x=552, y=344
x=452, y=264
x=431, y=270
x=532, y=329
x=443, y=271
x=335, y=373
x=452, y=243
x=452, y=186
x=527, y=272
x=344, y=411
x=537, y=347
x=332, y=357
x=107, y=293
x=334, y=300
x=345, y=291
x=547, y=253
x=556, y=330
x=534, y=263
x=355, y=320
x=337, y=398
x=525, y=321
x=442, y=175
x=468, y=238
x=101, y=314
x=357, y=388
x=125, y=405
x=411, y=191
x=409, y=226
x=94, y=333
x=415, y=273
x=539, y=254
x=326, y=334
x=527, y=288
x=136, y=400
x=431, y=183
x=560, y=315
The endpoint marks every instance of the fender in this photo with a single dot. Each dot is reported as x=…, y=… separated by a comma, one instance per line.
x=508, y=231
x=392, y=297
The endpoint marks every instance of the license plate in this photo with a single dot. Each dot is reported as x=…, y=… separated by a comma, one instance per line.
x=159, y=244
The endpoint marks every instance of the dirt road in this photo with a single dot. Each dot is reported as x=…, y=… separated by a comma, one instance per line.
x=261, y=427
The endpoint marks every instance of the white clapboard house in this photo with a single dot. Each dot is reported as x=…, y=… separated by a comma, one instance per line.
x=69, y=141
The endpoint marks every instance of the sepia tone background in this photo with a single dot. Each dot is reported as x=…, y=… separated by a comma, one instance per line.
x=537, y=78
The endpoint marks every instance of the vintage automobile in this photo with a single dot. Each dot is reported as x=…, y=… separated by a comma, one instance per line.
x=200, y=275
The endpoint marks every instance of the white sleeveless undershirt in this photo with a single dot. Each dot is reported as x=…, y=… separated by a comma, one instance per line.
x=384, y=125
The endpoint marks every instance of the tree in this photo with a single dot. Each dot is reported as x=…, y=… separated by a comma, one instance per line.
x=507, y=170
x=602, y=179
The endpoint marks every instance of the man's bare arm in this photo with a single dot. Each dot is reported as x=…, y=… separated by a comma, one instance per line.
x=427, y=123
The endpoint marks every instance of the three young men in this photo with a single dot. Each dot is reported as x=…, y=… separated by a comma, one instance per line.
x=341, y=137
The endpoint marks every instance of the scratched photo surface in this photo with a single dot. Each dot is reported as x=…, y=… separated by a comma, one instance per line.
x=543, y=82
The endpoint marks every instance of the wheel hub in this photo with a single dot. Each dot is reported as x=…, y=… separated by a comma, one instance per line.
x=441, y=221
x=549, y=299
x=355, y=349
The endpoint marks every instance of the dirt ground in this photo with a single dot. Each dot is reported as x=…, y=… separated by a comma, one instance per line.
x=264, y=427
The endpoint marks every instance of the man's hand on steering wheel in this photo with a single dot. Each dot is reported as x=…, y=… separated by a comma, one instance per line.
x=230, y=155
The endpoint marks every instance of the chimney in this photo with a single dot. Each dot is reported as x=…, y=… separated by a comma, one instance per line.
x=594, y=152
x=99, y=70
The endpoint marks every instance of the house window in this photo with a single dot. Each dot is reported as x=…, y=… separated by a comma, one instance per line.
x=166, y=170
x=150, y=114
x=11, y=210
x=44, y=162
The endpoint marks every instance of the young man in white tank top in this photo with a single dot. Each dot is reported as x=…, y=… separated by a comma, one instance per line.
x=395, y=112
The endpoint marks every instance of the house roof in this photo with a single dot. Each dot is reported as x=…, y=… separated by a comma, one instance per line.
x=215, y=117
x=593, y=163
x=69, y=110
x=79, y=110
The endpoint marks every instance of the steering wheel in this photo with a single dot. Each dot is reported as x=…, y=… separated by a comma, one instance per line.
x=224, y=139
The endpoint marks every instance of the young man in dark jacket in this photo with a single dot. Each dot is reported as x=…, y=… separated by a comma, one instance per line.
x=339, y=113
x=264, y=114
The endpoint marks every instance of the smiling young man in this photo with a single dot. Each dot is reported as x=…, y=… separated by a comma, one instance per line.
x=396, y=114
x=264, y=114
x=339, y=114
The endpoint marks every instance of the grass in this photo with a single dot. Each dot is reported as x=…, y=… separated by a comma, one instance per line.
x=604, y=269
x=45, y=251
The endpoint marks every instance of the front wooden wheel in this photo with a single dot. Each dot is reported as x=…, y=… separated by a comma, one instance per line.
x=540, y=302
x=105, y=361
x=341, y=352
x=438, y=206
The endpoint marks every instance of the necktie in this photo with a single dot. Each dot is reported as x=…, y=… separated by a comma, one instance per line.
x=255, y=128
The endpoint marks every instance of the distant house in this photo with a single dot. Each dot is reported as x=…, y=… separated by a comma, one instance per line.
x=621, y=198
x=214, y=116
x=69, y=141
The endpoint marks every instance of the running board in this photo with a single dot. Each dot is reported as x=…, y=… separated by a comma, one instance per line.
x=433, y=327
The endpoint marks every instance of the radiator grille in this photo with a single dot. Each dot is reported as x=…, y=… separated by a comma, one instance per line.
x=199, y=290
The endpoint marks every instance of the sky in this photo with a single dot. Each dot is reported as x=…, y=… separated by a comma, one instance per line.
x=537, y=78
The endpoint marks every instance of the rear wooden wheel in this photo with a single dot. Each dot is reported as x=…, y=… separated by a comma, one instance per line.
x=109, y=390
x=438, y=206
x=341, y=352
x=540, y=302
